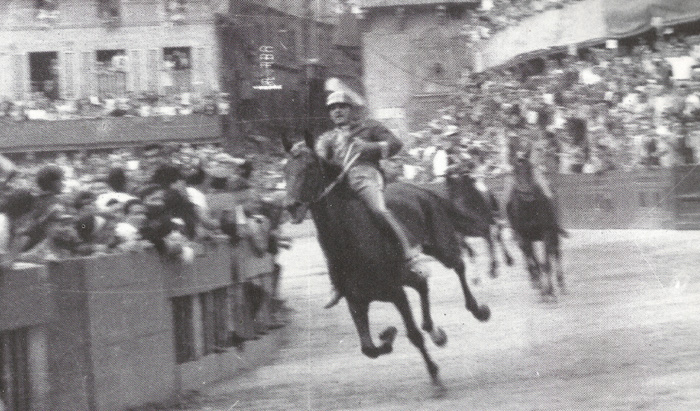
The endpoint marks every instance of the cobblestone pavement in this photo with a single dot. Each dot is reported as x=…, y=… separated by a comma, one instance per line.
x=625, y=337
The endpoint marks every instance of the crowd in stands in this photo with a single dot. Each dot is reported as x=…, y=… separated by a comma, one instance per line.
x=623, y=106
x=40, y=107
x=80, y=205
x=495, y=15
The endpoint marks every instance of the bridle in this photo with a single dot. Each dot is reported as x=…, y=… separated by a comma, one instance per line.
x=348, y=162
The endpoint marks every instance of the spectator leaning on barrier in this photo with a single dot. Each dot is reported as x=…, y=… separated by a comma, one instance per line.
x=15, y=207
x=117, y=183
x=47, y=211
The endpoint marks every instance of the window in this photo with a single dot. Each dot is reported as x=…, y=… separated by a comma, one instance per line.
x=43, y=74
x=177, y=70
x=46, y=10
x=175, y=9
x=111, y=68
x=108, y=9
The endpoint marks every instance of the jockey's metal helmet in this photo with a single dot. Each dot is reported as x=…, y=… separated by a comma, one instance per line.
x=339, y=97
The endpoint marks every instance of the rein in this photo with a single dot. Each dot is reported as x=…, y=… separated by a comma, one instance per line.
x=347, y=164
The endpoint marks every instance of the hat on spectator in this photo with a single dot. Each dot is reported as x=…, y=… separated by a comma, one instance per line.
x=450, y=130
x=339, y=97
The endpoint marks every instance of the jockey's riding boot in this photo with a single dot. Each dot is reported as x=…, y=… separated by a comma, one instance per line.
x=417, y=262
x=560, y=229
x=335, y=299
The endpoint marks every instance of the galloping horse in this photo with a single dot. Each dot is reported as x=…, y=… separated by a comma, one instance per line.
x=479, y=215
x=365, y=262
x=532, y=219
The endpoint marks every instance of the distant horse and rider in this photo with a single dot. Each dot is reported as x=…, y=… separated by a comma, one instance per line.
x=533, y=218
x=365, y=255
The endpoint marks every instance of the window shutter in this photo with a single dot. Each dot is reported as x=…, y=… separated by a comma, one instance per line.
x=153, y=70
x=69, y=75
x=135, y=71
x=201, y=71
x=86, y=80
x=19, y=61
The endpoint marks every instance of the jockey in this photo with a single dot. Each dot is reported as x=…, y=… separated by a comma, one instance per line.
x=357, y=146
x=518, y=149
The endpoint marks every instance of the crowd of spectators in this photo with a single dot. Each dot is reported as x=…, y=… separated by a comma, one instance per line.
x=121, y=201
x=40, y=107
x=622, y=106
x=495, y=15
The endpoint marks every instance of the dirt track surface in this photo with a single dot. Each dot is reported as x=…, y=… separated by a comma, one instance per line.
x=626, y=337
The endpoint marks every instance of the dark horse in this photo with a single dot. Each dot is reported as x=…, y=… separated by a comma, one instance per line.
x=364, y=261
x=532, y=219
x=478, y=215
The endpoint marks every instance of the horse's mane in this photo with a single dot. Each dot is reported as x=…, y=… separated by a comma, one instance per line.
x=361, y=256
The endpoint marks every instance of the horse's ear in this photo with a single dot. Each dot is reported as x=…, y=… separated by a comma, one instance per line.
x=286, y=143
x=309, y=139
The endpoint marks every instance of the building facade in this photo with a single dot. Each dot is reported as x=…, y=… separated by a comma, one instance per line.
x=415, y=54
x=72, y=49
x=258, y=58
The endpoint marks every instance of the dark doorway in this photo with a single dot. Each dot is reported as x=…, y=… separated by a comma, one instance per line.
x=43, y=71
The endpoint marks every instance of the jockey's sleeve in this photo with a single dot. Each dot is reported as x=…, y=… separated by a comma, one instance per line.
x=323, y=146
x=382, y=142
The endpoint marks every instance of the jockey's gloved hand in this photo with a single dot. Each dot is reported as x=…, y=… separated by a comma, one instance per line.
x=370, y=148
x=298, y=148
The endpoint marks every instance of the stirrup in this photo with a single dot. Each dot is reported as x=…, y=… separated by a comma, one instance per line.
x=335, y=299
x=417, y=264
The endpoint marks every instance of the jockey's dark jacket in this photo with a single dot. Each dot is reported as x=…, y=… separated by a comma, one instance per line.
x=369, y=131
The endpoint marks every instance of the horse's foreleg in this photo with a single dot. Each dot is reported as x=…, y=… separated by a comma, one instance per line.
x=436, y=334
x=414, y=334
x=547, y=269
x=499, y=239
x=556, y=256
x=488, y=237
x=359, y=313
x=533, y=266
x=470, y=251
x=481, y=313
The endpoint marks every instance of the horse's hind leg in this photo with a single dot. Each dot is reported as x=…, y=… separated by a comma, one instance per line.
x=481, y=313
x=556, y=256
x=547, y=269
x=414, y=334
x=359, y=313
x=488, y=237
x=436, y=334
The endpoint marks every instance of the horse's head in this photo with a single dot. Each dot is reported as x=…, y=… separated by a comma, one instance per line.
x=522, y=172
x=304, y=180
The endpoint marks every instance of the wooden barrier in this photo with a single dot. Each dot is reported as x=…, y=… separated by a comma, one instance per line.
x=686, y=191
x=28, y=307
x=614, y=200
x=107, y=132
x=115, y=331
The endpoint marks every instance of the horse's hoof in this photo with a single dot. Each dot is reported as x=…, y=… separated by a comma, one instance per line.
x=483, y=313
x=440, y=389
x=434, y=372
x=387, y=336
x=509, y=261
x=439, y=337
